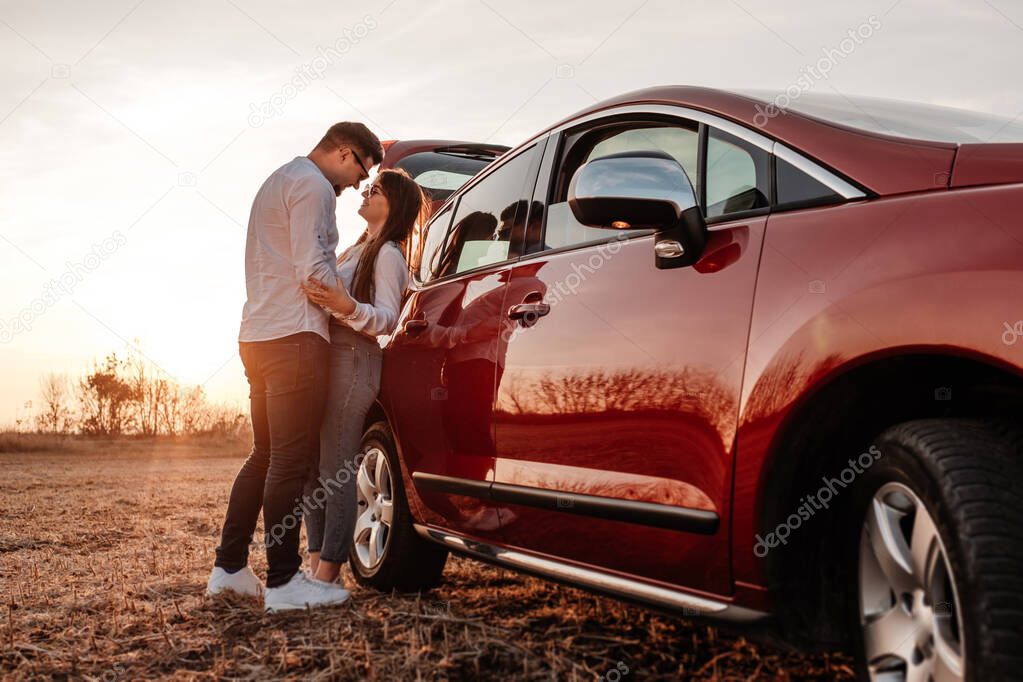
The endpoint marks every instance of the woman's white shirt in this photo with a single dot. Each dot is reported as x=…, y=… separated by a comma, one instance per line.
x=390, y=279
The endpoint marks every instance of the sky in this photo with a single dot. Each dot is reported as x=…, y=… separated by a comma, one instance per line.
x=134, y=134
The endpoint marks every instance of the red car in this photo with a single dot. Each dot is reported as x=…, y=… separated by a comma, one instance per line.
x=698, y=351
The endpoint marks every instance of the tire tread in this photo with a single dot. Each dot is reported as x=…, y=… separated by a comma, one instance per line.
x=976, y=467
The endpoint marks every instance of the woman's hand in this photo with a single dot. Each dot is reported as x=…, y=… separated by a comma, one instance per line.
x=335, y=298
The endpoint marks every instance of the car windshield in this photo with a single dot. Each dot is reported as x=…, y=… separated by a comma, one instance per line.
x=901, y=119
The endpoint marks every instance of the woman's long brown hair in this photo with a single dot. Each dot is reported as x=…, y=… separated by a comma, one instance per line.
x=407, y=210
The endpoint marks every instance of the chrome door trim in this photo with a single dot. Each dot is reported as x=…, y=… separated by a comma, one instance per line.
x=676, y=111
x=687, y=604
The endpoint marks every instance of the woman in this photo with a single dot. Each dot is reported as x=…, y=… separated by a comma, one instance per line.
x=374, y=273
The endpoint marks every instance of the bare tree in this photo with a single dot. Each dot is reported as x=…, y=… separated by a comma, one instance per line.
x=56, y=415
x=130, y=396
x=170, y=401
x=144, y=403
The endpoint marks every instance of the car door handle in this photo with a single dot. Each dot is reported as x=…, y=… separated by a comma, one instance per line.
x=527, y=313
x=415, y=326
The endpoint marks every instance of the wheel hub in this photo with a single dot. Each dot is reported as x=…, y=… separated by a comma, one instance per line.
x=375, y=508
x=909, y=610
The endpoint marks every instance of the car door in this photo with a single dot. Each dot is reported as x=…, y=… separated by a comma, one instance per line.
x=438, y=377
x=616, y=403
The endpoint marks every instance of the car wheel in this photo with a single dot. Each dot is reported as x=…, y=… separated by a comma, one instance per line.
x=939, y=570
x=387, y=553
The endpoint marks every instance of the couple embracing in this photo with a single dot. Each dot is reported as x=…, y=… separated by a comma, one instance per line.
x=308, y=342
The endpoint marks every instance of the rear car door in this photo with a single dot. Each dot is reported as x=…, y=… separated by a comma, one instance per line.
x=616, y=407
x=438, y=378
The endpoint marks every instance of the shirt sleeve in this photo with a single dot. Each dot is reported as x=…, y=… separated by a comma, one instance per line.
x=390, y=279
x=311, y=223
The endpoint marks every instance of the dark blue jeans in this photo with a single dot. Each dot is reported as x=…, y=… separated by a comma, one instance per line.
x=287, y=391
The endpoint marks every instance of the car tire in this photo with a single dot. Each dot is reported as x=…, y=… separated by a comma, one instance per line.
x=387, y=554
x=937, y=536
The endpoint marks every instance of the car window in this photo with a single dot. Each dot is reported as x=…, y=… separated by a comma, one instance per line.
x=738, y=175
x=679, y=141
x=796, y=189
x=489, y=220
x=436, y=231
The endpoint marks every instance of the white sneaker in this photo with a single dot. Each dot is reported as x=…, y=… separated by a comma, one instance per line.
x=301, y=592
x=339, y=581
x=243, y=582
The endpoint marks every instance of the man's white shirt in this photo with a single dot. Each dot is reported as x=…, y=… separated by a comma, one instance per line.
x=292, y=236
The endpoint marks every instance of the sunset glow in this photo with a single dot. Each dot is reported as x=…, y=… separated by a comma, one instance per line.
x=151, y=126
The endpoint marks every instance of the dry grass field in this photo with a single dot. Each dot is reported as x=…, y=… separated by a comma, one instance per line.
x=105, y=548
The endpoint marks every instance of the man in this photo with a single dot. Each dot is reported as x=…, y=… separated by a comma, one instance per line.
x=283, y=345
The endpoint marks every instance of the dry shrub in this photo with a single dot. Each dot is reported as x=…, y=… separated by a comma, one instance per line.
x=13, y=441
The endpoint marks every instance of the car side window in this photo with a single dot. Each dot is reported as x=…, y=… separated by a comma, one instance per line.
x=738, y=175
x=681, y=141
x=796, y=189
x=436, y=231
x=489, y=219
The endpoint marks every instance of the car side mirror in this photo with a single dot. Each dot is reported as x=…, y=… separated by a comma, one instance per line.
x=642, y=190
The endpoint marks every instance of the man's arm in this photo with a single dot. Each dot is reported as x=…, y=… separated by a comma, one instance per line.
x=313, y=231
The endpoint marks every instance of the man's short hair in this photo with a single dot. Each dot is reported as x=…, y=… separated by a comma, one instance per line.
x=514, y=209
x=355, y=135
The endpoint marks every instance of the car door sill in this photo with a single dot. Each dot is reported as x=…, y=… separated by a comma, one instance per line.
x=607, y=583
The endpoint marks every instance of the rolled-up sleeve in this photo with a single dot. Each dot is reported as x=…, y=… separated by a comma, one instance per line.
x=311, y=219
x=389, y=284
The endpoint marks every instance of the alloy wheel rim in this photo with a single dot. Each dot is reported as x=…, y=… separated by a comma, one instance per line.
x=375, y=511
x=909, y=609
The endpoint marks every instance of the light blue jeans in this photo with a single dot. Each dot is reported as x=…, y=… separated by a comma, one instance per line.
x=354, y=364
